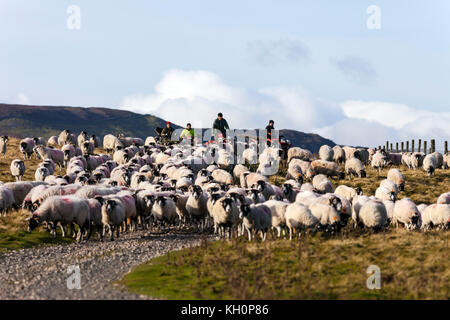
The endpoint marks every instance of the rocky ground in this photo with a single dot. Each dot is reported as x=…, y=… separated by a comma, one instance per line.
x=42, y=273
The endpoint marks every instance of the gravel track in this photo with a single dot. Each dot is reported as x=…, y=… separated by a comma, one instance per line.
x=41, y=272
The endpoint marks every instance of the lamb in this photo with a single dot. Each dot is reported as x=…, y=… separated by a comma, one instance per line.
x=406, y=213
x=379, y=160
x=430, y=164
x=299, y=153
x=373, y=215
x=354, y=166
x=17, y=169
x=113, y=216
x=298, y=217
x=65, y=210
x=326, y=153
x=225, y=215
x=164, y=210
x=322, y=184
x=278, y=210
x=6, y=199
x=338, y=155
x=3, y=145
x=41, y=173
x=26, y=147
x=111, y=142
x=87, y=147
x=223, y=177
x=397, y=177
x=256, y=218
x=384, y=193
x=56, y=155
x=444, y=198
x=436, y=215
x=348, y=193
x=327, y=168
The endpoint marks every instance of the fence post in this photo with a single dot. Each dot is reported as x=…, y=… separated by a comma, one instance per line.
x=392, y=149
x=445, y=147
x=420, y=145
x=412, y=145
x=387, y=145
x=432, y=146
x=396, y=147
x=403, y=148
x=425, y=147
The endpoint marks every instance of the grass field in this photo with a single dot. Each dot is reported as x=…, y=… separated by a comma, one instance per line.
x=413, y=265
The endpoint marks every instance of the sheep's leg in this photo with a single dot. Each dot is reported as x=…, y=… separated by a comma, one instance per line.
x=111, y=231
x=249, y=235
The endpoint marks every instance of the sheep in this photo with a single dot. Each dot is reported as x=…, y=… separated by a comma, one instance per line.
x=3, y=145
x=306, y=197
x=95, y=217
x=363, y=155
x=299, y=153
x=225, y=215
x=298, y=217
x=56, y=155
x=430, y=164
x=327, y=168
x=379, y=160
x=256, y=196
x=238, y=170
x=389, y=205
x=223, y=177
x=69, y=153
x=373, y=215
x=397, y=177
x=26, y=147
x=6, y=199
x=111, y=143
x=267, y=189
x=439, y=159
x=252, y=179
x=444, y=198
x=446, y=160
x=307, y=187
x=322, y=184
x=358, y=202
x=349, y=152
x=52, y=141
x=17, y=169
x=121, y=156
x=66, y=137
x=436, y=215
x=255, y=218
x=406, y=213
x=338, y=155
x=355, y=167
x=41, y=173
x=164, y=210
x=63, y=210
x=326, y=153
x=327, y=215
x=393, y=158
x=384, y=193
x=391, y=186
x=250, y=156
x=305, y=166
x=278, y=210
x=82, y=137
x=290, y=192
x=87, y=147
x=113, y=216
x=347, y=192
x=196, y=204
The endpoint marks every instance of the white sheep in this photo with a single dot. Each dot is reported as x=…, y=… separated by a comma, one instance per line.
x=6, y=199
x=322, y=184
x=444, y=198
x=225, y=215
x=379, y=160
x=436, y=215
x=373, y=215
x=113, y=216
x=3, y=145
x=26, y=147
x=406, y=213
x=17, y=169
x=396, y=177
x=56, y=155
x=327, y=168
x=430, y=164
x=347, y=192
x=355, y=167
x=299, y=153
x=256, y=217
x=384, y=193
x=298, y=217
x=338, y=155
x=326, y=153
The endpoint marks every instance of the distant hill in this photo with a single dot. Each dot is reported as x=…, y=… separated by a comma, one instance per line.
x=45, y=121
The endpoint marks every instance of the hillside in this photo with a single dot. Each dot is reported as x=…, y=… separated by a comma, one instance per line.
x=45, y=121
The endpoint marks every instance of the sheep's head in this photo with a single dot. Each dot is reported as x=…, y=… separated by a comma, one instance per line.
x=359, y=191
x=227, y=205
x=245, y=210
x=362, y=173
x=261, y=185
x=287, y=189
x=392, y=196
x=254, y=194
x=33, y=222
x=215, y=197
x=161, y=201
x=204, y=173
x=110, y=205
x=196, y=191
x=234, y=196
x=336, y=203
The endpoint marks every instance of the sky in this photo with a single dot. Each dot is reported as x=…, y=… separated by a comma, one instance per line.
x=344, y=70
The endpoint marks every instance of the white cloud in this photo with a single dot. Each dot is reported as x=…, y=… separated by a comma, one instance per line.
x=273, y=52
x=21, y=99
x=197, y=96
x=356, y=69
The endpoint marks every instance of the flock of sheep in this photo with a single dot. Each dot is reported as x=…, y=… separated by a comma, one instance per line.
x=147, y=185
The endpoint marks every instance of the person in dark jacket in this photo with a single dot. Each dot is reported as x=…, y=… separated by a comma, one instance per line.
x=269, y=129
x=166, y=133
x=221, y=124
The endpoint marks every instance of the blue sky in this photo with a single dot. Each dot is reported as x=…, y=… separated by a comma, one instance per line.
x=252, y=55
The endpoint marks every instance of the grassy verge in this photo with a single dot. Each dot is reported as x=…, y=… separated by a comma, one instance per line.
x=413, y=266
x=13, y=234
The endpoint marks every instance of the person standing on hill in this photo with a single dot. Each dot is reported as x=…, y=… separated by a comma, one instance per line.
x=166, y=133
x=188, y=133
x=221, y=124
x=269, y=129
